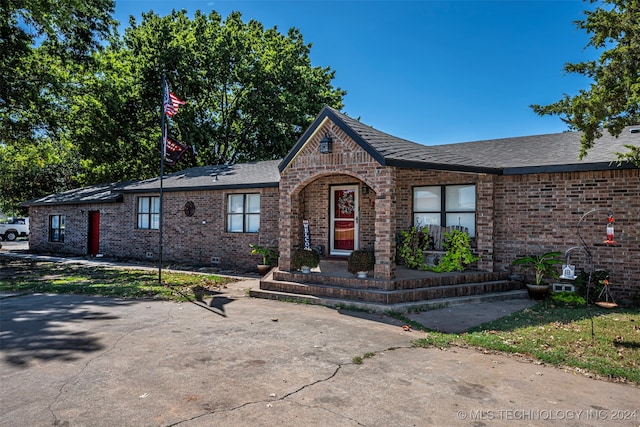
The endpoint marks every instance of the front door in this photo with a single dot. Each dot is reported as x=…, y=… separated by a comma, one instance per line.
x=94, y=233
x=344, y=219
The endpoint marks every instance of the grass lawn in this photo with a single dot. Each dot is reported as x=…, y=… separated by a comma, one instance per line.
x=27, y=276
x=560, y=333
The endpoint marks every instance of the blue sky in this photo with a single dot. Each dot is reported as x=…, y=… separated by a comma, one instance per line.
x=433, y=72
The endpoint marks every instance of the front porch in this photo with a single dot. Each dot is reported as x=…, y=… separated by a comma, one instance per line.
x=332, y=285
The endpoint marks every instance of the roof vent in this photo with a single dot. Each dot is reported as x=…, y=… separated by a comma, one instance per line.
x=635, y=130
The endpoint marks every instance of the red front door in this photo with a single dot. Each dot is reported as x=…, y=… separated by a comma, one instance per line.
x=94, y=233
x=344, y=219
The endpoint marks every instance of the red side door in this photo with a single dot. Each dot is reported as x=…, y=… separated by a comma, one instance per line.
x=94, y=233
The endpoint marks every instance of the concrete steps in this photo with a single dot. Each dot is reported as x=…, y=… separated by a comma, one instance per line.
x=405, y=307
x=402, y=294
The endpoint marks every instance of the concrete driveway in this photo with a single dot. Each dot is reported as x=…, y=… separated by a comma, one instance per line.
x=70, y=360
x=19, y=244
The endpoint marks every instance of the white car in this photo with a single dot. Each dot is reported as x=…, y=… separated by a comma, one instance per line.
x=14, y=228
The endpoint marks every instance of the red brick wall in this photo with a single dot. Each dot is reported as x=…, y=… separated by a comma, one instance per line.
x=516, y=215
x=192, y=240
x=76, y=227
x=540, y=212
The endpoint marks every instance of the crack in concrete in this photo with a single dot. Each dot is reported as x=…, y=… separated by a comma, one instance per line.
x=280, y=399
x=286, y=396
x=56, y=421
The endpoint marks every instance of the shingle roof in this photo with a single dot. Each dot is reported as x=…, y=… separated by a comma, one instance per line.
x=241, y=175
x=102, y=193
x=245, y=175
x=527, y=154
x=546, y=153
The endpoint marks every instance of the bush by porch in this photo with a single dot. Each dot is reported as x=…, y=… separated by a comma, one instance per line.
x=436, y=248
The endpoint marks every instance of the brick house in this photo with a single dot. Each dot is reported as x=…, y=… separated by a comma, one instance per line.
x=358, y=188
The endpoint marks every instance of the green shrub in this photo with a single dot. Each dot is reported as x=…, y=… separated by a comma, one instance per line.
x=416, y=241
x=458, y=256
x=305, y=257
x=582, y=280
x=361, y=260
x=412, y=245
x=567, y=298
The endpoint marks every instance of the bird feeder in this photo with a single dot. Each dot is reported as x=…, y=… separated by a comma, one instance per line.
x=605, y=299
x=610, y=231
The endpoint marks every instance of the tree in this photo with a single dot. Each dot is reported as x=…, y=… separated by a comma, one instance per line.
x=39, y=40
x=613, y=100
x=115, y=122
x=250, y=92
x=44, y=44
x=93, y=116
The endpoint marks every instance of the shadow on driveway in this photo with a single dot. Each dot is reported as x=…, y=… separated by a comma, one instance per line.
x=43, y=327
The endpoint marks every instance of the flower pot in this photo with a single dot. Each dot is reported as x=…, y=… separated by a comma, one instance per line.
x=537, y=292
x=263, y=269
x=305, y=269
x=361, y=274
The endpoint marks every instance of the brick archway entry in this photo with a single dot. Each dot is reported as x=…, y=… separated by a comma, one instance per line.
x=311, y=201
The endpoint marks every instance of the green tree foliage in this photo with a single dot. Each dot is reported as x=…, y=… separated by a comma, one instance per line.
x=116, y=122
x=43, y=44
x=250, y=91
x=77, y=114
x=613, y=100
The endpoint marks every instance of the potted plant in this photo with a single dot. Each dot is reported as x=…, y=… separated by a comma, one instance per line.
x=267, y=253
x=360, y=262
x=542, y=265
x=305, y=259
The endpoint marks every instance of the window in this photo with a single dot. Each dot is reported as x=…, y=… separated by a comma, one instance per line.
x=243, y=213
x=56, y=228
x=148, y=213
x=445, y=205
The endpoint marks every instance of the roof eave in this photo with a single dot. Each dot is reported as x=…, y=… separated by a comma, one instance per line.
x=577, y=167
x=118, y=198
x=413, y=164
x=200, y=188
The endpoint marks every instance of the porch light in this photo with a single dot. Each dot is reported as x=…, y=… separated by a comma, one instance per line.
x=326, y=144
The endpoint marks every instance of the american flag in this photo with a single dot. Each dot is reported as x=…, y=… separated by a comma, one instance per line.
x=171, y=102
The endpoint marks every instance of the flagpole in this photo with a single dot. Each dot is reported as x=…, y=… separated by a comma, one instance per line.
x=163, y=148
